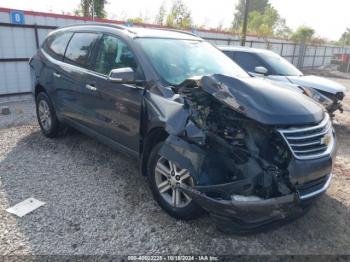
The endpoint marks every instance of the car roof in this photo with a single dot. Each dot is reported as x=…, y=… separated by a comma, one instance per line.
x=244, y=49
x=162, y=33
x=137, y=32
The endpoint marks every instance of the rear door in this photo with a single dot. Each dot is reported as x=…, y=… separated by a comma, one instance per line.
x=115, y=108
x=73, y=73
x=53, y=49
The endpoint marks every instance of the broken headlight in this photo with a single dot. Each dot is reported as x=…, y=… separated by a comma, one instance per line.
x=317, y=96
x=340, y=96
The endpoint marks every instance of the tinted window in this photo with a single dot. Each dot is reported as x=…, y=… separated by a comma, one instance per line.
x=229, y=54
x=113, y=53
x=56, y=44
x=79, y=48
x=247, y=61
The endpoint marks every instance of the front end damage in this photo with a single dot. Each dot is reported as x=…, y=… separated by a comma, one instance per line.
x=331, y=102
x=336, y=102
x=255, y=159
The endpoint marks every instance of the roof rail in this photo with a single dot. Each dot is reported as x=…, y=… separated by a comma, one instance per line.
x=96, y=24
x=177, y=30
x=128, y=29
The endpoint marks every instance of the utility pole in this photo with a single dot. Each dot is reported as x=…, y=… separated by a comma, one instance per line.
x=245, y=22
x=93, y=9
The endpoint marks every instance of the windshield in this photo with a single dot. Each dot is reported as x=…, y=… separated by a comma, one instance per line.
x=176, y=60
x=279, y=65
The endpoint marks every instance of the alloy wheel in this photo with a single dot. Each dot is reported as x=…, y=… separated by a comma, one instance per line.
x=168, y=177
x=45, y=115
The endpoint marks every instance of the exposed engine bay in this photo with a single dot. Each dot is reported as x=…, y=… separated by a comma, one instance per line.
x=238, y=148
x=229, y=140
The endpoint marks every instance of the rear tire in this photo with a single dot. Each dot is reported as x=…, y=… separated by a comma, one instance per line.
x=46, y=115
x=171, y=200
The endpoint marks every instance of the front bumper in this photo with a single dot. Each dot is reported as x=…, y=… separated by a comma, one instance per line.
x=251, y=215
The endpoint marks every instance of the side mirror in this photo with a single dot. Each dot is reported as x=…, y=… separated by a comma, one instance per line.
x=261, y=70
x=122, y=75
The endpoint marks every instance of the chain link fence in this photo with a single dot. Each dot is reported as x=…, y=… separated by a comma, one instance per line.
x=302, y=55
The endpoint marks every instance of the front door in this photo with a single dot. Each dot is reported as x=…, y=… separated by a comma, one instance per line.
x=115, y=107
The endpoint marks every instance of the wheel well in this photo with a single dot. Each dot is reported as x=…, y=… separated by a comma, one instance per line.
x=39, y=89
x=153, y=137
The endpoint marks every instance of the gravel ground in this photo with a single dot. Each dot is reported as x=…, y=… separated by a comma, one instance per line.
x=21, y=113
x=97, y=203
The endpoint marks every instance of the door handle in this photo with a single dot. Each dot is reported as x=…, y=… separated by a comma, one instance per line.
x=56, y=75
x=91, y=87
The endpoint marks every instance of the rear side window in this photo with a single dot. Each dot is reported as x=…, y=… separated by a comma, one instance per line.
x=56, y=44
x=247, y=61
x=79, y=48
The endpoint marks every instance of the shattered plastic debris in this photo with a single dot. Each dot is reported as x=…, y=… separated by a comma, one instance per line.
x=23, y=208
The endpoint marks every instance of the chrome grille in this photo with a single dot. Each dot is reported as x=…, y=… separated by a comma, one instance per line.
x=310, y=142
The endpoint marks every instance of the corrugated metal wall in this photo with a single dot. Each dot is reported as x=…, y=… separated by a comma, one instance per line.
x=18, y=43
x=15, y=43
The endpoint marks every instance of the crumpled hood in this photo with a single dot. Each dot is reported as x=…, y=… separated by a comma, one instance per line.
x=286, y=84
x=317, y=82
x=262, y=101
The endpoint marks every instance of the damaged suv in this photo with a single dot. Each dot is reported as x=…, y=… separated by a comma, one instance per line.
x=208, y=136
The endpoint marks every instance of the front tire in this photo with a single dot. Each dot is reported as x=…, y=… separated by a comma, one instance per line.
x=46, y=115
x=163, y=175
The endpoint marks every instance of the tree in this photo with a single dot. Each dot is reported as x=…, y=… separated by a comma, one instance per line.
x=159, y=20
x=220, y=26
x=141, y=18
x=318, y=40
x=263, y=19
x=303, y=34
x=345, y=37
x=179, y=16
x=266, y=24
x=86, y=6
x=135, y=20
x=282, y=30
x=99, y=6
x=254, y=5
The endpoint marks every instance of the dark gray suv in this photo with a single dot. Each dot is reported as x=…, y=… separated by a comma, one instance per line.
x=207, y=135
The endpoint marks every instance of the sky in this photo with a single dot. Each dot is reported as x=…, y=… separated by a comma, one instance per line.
x=329, y=18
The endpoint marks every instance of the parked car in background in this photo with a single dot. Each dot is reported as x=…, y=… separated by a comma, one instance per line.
x=269, y=65
x=207, y=135
x=341, y=61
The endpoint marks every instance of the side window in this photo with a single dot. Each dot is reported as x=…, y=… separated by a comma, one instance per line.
x=228, y=53
x=56, y=44
x=79, y=47
x=113, y=53
x=247, y=61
